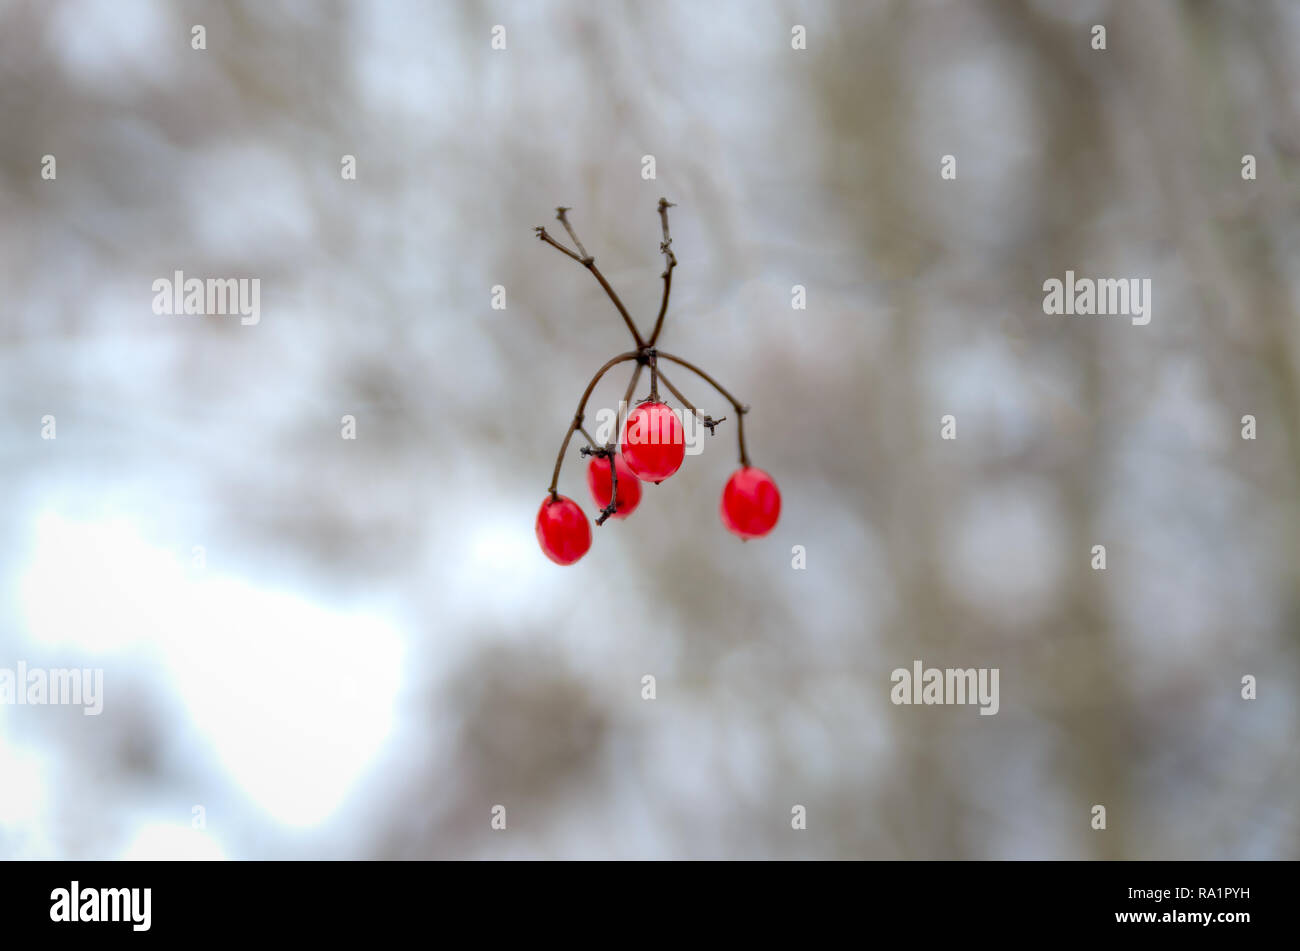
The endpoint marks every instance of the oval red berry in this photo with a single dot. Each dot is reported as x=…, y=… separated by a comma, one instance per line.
x=654, y=444
x=751, y=503
x=563, y=530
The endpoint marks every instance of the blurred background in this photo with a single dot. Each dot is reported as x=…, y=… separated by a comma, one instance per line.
x=317, y=647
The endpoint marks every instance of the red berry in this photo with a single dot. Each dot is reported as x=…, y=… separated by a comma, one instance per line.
x=629, y=486
x=653, y=442
x=751, y=503
x=563, y=530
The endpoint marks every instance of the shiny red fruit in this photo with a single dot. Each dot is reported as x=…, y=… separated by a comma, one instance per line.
x=629, y=486
x=653, y=442
x=563, y=530
x=751, y=503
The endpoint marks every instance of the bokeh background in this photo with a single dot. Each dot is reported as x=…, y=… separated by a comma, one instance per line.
x=373, y=652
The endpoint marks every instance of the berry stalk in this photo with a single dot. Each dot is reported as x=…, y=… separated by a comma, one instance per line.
x=740, y=408
x=578, y=416
x=670, y=262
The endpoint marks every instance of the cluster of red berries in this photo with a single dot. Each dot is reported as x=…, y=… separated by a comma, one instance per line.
x=652, y=443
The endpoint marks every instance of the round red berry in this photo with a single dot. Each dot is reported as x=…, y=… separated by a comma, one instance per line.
x=751, y=503
x=653, y=442
x=562, y=530
x=629, y=486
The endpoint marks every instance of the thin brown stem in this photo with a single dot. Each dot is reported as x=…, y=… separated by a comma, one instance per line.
x=563, y=215
x=606, y=452
x=627, y=401
x=578, y=415
x=652, y=359
x=587, y=261
x=627, y=318
x=739, y=407
x=708, y=421
x=678, y=393
x=612, y=507
x=541, y=233
x=670, y=262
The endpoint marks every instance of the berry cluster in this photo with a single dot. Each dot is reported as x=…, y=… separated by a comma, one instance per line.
x=651, y=441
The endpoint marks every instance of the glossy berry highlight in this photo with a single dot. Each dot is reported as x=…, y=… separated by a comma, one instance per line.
x=563, y=530
x=751, y=503
x=629, y=486
x=654, y=444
